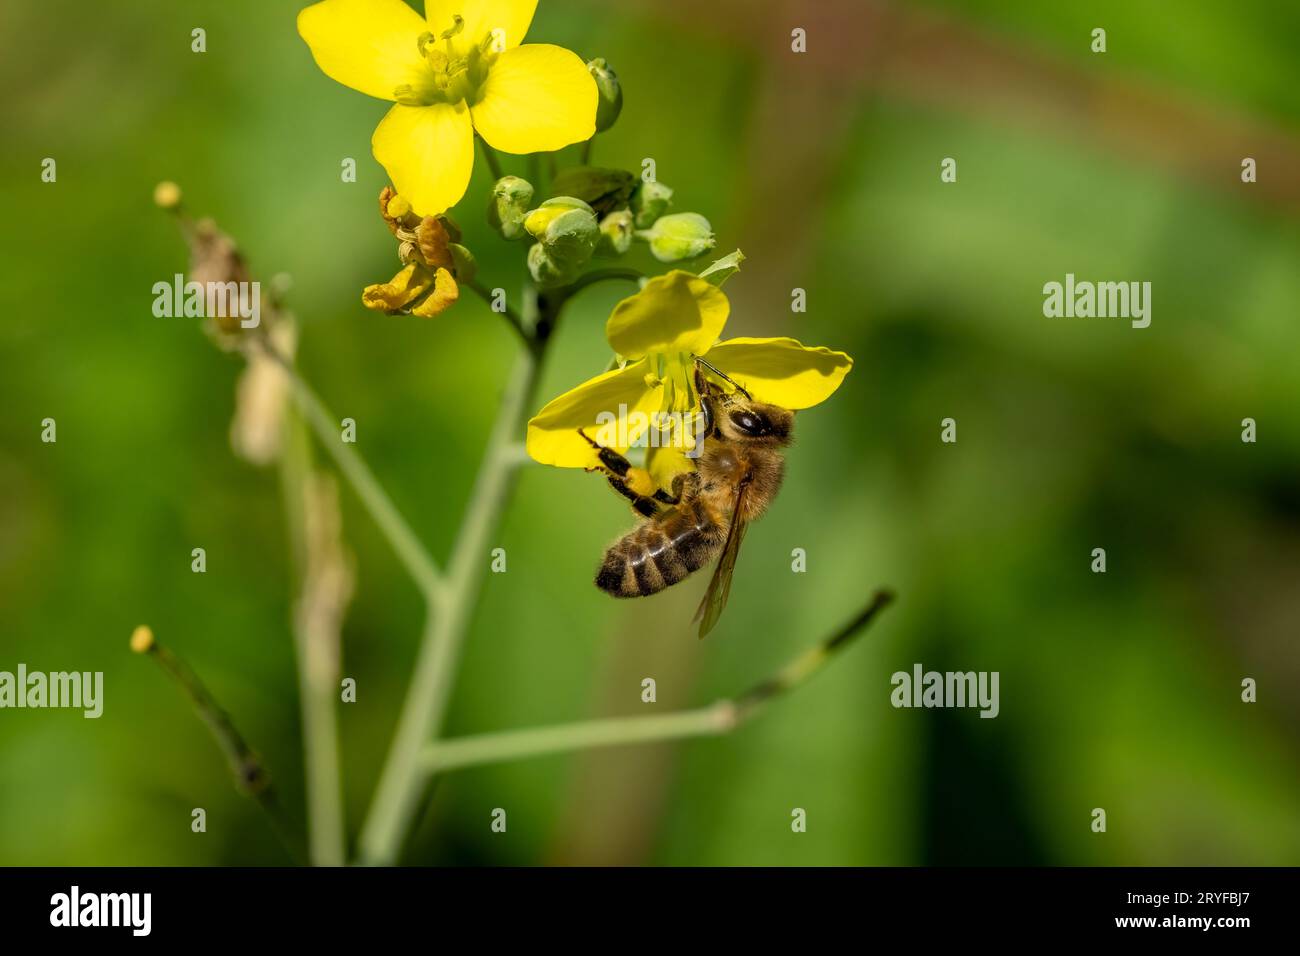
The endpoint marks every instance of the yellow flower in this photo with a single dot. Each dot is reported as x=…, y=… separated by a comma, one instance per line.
x=459, y=70
x=658, y=332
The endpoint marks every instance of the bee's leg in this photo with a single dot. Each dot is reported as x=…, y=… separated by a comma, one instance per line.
x=617, y=471
x=660, y=500
x=679, y=487
x=641, y=504
x=612, y=461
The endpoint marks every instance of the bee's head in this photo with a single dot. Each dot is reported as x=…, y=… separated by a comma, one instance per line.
x=745, y=420
x=737, y=417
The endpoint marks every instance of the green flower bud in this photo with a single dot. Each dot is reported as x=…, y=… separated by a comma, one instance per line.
x=511, y=197
x=684, y=235
x=649, y=202
x=463, y=262
x=604, y=190
x=566, y=228
x=540, y=219
x=610, y=103
x=615, y=234
x=546, y=272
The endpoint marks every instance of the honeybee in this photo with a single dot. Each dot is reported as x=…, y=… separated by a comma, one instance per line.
x=736, y=477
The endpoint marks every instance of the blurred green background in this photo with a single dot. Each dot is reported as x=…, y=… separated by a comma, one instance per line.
x=1119, y=691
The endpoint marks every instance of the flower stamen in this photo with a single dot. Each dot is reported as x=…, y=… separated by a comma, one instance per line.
x=457, y=25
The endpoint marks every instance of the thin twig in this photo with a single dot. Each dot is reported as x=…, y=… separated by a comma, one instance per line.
x=517, y=454
x=250, y=774
x=412, y=553
x=809, y=662
x=318, y=664
x=600, y=275
x=718, y=718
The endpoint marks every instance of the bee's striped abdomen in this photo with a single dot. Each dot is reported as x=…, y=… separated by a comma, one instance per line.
x=660, y=552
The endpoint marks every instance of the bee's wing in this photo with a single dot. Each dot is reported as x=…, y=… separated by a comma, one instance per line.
x=715, y=599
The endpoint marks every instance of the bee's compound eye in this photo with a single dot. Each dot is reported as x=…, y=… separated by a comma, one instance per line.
x=749, y=423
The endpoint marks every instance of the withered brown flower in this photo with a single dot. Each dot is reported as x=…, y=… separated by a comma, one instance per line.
x=432, y=259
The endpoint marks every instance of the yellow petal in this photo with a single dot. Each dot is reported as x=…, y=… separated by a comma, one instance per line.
x=428, y=152
x=596, y=406
x=677, y=312
x=407, y=286
x=481, y=17
x=781, y=371
x=443, y=297
x=536, y=98
x=369, y=45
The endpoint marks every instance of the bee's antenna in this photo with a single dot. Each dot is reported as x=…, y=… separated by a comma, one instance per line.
x=723, y=375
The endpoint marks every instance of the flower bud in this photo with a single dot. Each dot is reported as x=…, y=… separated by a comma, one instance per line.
x=650, y=201
x=540, y=219
x=566, y=229
x=142, y=641
x=386, y=195
x=398, y=207
x=615, y=234
x=511, y=197
x=604, y=190
x=683, y=235
x=453, y=230
x=463, y=262
x=167, y=195
x=546, y=272
x=610, y=92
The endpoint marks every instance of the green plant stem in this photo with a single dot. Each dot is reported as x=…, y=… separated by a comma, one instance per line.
x=718, y=718
x=586, y=151
x=402, y=780
x=601, y=275
x=612, y=732
x=404, y=542
x=541, y=186
x=490, y=154
x=250, y=774
x=318, y=668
